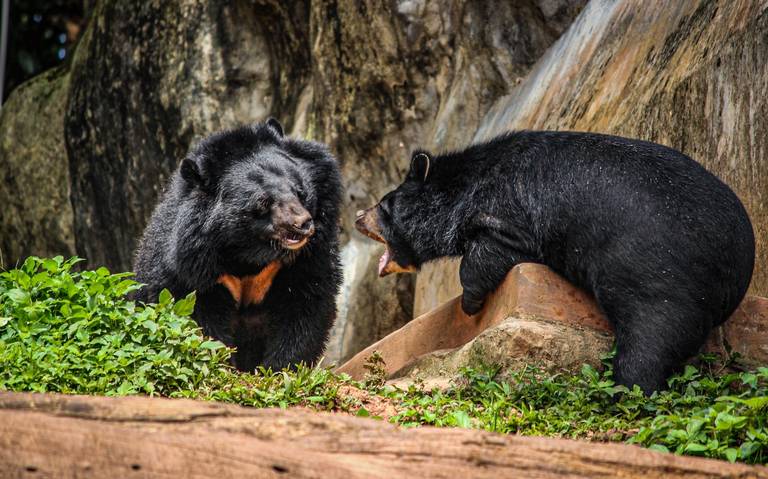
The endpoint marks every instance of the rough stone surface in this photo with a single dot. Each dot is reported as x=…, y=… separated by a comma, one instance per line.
x=745, y=333
x=691, y=75
x=388, y=78
x=372, y=79
x=76, y=437
x=36, y=215
x=514, y=344
x=148, y=79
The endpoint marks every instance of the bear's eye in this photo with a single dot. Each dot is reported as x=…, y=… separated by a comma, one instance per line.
x=261, y=205
x=386, y=205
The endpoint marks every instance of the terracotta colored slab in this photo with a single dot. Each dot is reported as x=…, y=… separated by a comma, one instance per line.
x=535, y=291
x=746, y=332
x=530, y=290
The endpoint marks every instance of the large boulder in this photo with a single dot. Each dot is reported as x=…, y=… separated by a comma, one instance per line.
x=36, y=215
x=149, y=78
x=85, y=150
x=388, y=78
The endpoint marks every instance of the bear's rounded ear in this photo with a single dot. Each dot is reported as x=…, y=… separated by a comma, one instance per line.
x=275, y=125
x=191, y=172
x=420, y=163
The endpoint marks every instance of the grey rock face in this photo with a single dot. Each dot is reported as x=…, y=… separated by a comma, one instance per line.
x=84, y=151
x=148, y=79
x=36, y=215
x=388, y=81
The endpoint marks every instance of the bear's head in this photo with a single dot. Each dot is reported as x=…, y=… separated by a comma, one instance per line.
x=402, y=221
x=255, y=199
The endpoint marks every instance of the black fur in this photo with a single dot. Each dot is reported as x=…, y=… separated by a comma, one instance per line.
x=666, y=248
x=228, y=210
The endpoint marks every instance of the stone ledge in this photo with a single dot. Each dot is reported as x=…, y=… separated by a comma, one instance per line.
x=533, y=292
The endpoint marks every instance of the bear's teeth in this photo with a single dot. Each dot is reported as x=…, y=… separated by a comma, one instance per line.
x=383, y=261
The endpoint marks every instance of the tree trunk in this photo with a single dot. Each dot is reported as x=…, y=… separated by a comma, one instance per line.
x=79, y=436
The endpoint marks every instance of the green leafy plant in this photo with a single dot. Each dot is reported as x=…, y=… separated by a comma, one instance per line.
x=375, y=371
x=74, y=332
x=702, y=413
x=71, y=331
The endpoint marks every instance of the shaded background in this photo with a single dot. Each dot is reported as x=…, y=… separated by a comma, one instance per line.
x=41, y=36
x=86, y=146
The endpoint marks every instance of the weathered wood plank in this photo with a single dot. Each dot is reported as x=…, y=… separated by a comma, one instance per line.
x=76, y=436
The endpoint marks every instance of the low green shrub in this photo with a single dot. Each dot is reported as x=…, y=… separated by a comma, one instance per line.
x=703, y=413
x=74, y=332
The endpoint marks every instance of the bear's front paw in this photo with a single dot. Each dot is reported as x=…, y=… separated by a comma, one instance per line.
x=471, y=306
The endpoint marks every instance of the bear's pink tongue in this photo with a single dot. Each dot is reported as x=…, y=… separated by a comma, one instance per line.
x=383, y=261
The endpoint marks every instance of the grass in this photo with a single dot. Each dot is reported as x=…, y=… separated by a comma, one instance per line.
x=74, y=332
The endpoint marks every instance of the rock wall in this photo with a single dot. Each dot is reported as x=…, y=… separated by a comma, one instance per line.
x=388, y=78
x=85, y=150
x=147, y=80
x=36, y=214
x=373, y=79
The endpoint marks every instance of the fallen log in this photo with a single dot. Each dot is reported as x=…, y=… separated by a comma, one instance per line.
x=46, y=435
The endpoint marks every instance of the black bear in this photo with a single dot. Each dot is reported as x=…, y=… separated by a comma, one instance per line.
x=665, y=247
x=250, y=222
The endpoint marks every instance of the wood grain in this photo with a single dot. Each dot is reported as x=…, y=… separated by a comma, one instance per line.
x=79, y=436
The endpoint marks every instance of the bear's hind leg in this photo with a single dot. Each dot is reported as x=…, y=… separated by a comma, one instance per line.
x=653, y=339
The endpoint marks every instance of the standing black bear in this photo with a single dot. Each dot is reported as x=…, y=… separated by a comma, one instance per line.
x=666, y=248
x=250, y=222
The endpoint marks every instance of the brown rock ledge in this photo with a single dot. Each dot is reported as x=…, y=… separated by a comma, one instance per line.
x=535, y=316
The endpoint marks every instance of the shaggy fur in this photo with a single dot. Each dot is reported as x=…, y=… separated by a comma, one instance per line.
x=666, y=248
x=240, y=202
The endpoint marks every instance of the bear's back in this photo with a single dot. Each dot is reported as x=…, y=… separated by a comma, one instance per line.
x=584, y=174
x=599, y=202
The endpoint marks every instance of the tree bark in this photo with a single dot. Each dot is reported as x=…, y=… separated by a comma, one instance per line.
x=80, y=436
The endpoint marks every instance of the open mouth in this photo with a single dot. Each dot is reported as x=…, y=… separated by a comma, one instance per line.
x=294, y=241
x=384, y=261
x=366, y=224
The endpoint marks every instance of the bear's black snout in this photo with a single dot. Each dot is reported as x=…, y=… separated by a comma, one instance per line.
x=293, y=224
x=304, y=226
x=367, y=222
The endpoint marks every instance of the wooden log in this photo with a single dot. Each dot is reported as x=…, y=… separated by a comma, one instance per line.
x=80, y=436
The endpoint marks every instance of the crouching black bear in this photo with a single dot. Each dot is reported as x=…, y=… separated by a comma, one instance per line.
x=250, y=221
x=665, y=247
